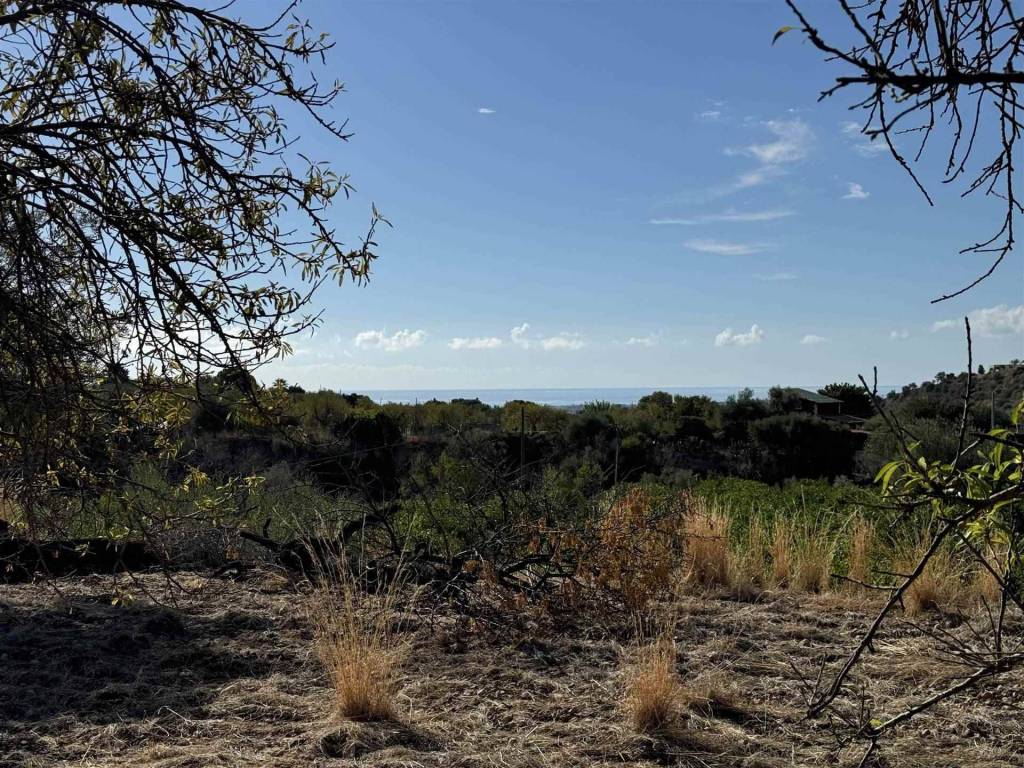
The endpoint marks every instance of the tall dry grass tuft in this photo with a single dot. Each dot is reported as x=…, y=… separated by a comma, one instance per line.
x=748, y=563
x=812, y=561
x=358, y=643
x=782, y=553
x=707, y=556
x=939, y=587
x=984, y=586
x=654, y=694
x=862, y=543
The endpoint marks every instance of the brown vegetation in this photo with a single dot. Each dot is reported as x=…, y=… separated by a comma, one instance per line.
x=359, y=647
x=942, y=585
x=653, y=697
x=225, y=679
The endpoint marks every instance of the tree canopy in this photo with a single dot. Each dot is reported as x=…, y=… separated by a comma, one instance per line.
x=158, y=220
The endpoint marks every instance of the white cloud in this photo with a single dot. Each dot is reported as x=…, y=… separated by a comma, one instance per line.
x=792, y=142
x=813, y=338
x=942, y=325
x=902, y=333
x=398, y=341
x=710, y=115
x=727, y=216
x=863, y=145
x=643, y=341
x=722, y=248
x=776, y=276
x=486, y=111
x=518, y=336
x=855, y=192
x=562, y=342
x=476, y=342
x=729, y=339
x=1001, y=320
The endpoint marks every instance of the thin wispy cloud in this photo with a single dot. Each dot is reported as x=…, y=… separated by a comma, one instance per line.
x=398, y=341
x=899, y=335
x=793, y=139
x=862, y=145
x=486, y=111
x=726, y=216
x=772, y=277
x=728, y=338
x=475, y=343
x=724, y=248
x=813, y=338
x=562, y=342
x=855, y=191
x=642, y=341
x=710, y=115
x=1000, y=320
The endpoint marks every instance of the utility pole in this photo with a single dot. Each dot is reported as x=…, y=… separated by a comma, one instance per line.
x=616, y=475
x=522, y=443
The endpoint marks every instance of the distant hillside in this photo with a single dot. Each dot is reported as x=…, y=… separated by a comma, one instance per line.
x=997, y=389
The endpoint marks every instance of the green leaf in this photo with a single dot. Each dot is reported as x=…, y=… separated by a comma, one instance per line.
x=781, y=31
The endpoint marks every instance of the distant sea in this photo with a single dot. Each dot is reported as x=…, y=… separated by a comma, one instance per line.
x=562, y=397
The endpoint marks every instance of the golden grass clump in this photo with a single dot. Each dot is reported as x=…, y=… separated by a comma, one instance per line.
x=782, y=553
x=812, y=569
x=985, y=586
x=862, y=541
x=358, y=643
x=747, y=562
x=654, y=694
x=707, y=556
x=939, y=587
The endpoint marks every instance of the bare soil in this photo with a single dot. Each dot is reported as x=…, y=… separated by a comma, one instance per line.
x=225, y=674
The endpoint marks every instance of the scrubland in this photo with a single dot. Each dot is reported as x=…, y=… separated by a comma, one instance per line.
x=690, y=640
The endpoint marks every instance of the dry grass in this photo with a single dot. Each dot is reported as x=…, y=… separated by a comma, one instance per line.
x=940, y=586
x=862, y=543
x=748, y=563
x=357, y=643
x=707, y=547
x=782, y=553
x=712, y=695
x=654, y=695
x=984, y=587
x=812, y=564
x=224, y=679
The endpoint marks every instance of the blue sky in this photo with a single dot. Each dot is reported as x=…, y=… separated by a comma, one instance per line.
x=628, y=194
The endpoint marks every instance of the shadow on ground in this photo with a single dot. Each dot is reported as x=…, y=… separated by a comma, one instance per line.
x=101, y=664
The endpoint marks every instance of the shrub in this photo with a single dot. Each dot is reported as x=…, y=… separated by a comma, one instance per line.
x=639, y=545
x=801, y=445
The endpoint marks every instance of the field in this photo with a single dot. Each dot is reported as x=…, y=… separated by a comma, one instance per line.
x=225, y=673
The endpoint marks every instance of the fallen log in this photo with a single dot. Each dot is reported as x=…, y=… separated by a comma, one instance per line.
x=23, y=560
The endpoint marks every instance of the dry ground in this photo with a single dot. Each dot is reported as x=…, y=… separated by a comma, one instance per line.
x=226, y=675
